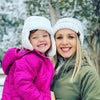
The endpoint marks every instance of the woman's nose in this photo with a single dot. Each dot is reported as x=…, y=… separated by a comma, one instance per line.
x=64, y=41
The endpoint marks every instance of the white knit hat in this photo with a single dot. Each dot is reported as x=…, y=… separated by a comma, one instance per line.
x=37, y=22
x=70, y=23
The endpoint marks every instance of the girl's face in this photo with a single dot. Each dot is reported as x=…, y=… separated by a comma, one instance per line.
x=40, y=40
x=66, y=42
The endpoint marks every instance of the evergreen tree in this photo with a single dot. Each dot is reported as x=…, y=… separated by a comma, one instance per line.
x=12, y=16
x=14, y=12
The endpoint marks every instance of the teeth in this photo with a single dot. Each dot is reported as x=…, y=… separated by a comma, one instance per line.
x=42, y=45
x=65, y=49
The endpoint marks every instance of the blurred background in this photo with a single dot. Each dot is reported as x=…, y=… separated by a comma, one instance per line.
x=14, y=12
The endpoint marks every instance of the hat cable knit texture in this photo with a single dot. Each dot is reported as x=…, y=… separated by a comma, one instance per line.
x=37, y=22
x=70, y=23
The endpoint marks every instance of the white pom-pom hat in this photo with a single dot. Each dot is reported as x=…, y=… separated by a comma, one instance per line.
x=70, y=23
x=37, y=22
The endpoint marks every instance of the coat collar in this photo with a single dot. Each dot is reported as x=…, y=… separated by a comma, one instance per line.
x=65, y=64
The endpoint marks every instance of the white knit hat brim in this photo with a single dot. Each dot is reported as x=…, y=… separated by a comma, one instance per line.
x=70, y=23
x=37, y=22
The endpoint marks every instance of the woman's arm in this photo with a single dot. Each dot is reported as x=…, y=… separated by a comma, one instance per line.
x=90, y=85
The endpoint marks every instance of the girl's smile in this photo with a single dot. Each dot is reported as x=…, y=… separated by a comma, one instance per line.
x=40, y=41
x=42, y=45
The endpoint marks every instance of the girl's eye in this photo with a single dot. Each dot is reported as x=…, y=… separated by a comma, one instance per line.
x=34, y=37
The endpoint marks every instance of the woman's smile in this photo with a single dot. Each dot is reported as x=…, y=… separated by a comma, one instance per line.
x=66, y=42
x=65, y=49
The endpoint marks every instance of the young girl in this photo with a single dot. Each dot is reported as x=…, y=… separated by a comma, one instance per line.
x=29, y=72
x=75, y=77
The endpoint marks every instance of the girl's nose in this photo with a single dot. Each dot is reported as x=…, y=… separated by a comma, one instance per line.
x=41, y=38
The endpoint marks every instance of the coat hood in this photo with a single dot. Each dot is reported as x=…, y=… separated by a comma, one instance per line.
x=10, y=56
x=33, y=23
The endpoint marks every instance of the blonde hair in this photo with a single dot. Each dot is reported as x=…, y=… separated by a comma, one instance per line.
x=79, y=55
x=78, y=60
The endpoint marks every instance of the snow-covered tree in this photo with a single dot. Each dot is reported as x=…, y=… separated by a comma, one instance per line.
x=12, y=16
x=14, y=12
x=38, y=7
x=87, y=11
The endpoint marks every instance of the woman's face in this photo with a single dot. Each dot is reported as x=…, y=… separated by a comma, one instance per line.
x=40, y=41
x=66, y=42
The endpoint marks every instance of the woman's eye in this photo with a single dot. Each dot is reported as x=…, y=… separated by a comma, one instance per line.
x=45, y=35
x=59, y=37
x=71, y=37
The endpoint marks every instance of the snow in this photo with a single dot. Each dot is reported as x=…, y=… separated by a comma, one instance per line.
x=2, y=79
x=1, y=89
x=1, y=71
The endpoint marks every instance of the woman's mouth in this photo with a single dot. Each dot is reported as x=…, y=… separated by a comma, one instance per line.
x=65, y=49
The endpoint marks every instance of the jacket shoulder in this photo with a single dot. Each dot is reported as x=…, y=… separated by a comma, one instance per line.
x=29, y=60
x=10, y=56
x=89, y=83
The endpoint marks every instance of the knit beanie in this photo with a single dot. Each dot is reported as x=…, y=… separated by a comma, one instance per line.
x=37, y=22
x=70, y=23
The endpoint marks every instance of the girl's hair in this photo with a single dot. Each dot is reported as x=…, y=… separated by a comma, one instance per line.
x=32, y=31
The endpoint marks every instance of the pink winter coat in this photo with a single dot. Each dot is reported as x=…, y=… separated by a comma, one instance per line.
x=29, y=75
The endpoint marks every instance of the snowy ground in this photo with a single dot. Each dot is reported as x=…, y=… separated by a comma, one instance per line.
x=1, y=88
x=2, y=78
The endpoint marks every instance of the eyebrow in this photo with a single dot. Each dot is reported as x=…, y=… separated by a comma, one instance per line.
x=71, y=34
x=67, y=34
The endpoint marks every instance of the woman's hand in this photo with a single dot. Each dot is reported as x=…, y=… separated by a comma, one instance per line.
x=52, y=96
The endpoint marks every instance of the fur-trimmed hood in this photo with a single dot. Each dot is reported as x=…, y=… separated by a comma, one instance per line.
x=33, y=23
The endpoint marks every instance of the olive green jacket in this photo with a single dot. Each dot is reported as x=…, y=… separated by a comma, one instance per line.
x=86, y=85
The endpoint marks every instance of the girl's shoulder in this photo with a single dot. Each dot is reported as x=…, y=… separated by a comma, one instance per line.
x=29, y=60
x=34, y=55
x=31, y=56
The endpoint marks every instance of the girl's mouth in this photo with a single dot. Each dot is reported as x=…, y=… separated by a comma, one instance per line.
x=42, y=45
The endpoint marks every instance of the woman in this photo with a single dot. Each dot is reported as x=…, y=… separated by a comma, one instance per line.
x=75, y=77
